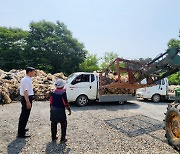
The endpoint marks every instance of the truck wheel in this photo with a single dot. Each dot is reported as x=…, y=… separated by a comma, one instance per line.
x=156, y=98
x=172, y=125
x=82, y=100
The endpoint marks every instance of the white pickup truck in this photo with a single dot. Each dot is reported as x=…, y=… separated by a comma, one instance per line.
x=81, y=87
x=156, y=93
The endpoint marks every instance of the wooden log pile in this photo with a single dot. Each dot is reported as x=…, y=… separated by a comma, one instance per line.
x=111, y=78
x=10, y=82
x=105, y=91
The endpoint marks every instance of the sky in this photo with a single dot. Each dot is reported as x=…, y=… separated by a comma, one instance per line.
x=131, y=28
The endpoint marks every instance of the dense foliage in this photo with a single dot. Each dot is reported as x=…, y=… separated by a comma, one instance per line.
x=108, y=58
x=90, y=64
x=48, y=46
x=174, y=78
x=12, y=48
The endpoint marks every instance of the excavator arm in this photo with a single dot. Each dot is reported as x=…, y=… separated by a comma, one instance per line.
x=162, y=66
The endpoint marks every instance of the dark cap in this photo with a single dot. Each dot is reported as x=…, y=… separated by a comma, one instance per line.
x=29, y=69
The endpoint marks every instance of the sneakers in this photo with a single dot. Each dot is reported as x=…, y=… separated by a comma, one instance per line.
x=63, y=141
x=54, y=139
x=23, y=136
x=26, y=129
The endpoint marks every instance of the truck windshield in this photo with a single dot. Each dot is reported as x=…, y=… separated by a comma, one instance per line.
x=70, y=76
x=158, y=82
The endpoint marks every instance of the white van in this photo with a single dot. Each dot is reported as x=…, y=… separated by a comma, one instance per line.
x=83, y=86
x=155, y=93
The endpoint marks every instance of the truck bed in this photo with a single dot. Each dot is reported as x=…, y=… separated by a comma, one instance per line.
x=116, y=97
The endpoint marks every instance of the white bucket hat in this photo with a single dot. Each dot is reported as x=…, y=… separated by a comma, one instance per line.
x=59, y=83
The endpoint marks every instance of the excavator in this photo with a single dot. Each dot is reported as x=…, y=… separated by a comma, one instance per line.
x=160, y=67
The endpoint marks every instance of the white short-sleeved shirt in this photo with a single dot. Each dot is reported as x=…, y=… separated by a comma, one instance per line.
x=26, y=84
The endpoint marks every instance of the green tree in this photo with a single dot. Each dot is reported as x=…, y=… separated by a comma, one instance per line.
x=144, y=60
x=51, y=47
x=174, y=43
x=12, y=47
x=90, y=64
x=108, y=58
x=174, y=79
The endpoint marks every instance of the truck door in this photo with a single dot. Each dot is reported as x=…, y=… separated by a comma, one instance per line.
x=93, y=87
x=82, y=85
x=159, y=88
x=163, y=87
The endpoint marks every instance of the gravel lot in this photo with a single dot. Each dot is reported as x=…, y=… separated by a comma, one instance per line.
x=135, y=127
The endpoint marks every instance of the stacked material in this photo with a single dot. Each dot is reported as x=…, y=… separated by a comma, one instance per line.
x=112, y=77
x=172, y=88
x=104, y=91
x=109, y=78
x=10, y=82
x=9, y=85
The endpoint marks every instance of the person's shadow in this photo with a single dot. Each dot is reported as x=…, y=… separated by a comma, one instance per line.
x=54, y=148
x=16, y=146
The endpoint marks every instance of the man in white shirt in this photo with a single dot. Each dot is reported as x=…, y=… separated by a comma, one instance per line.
x=26, y=92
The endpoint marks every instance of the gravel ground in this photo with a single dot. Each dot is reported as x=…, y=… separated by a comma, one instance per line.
x=107, y=128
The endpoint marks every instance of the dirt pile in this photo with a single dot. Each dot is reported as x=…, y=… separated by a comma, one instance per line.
x=10, y=82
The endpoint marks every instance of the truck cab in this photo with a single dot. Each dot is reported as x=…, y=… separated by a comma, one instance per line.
x=155, y=93
x=81, y=87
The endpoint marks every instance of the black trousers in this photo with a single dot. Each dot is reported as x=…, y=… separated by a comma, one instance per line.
x=54, y=129
x=24, y=116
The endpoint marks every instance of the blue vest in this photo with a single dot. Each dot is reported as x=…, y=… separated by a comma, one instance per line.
x=57, y=111
x=57, y=99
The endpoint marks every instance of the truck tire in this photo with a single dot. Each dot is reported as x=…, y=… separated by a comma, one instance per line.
x=156, y=98
x=82, y=100
x=172, y=125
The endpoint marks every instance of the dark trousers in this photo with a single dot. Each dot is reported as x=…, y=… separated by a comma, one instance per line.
x=24, y=116
x=54, y=129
